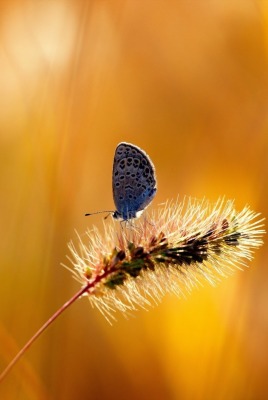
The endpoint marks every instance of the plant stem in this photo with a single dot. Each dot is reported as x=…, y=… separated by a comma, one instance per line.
x=43, y=328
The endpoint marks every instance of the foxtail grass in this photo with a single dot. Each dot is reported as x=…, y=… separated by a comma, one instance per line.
x=173, y=249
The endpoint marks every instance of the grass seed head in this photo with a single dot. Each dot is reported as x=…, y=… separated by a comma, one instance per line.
x=173, y=249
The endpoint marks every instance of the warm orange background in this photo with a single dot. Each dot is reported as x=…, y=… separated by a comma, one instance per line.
x=186, y=81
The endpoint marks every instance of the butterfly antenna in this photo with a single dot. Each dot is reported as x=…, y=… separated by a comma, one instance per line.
x=99, y=212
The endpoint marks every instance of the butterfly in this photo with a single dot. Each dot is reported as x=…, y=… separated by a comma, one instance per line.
x=133, y=181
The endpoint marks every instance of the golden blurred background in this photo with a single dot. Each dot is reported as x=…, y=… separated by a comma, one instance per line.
x=187, y=82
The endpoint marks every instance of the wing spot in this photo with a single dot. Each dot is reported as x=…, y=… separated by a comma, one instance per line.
x=122, y=164
x=136, y=162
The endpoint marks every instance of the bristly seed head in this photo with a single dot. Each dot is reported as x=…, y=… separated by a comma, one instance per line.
x=130, y=265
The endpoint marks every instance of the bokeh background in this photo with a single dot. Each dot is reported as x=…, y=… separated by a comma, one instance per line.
x=186, y=81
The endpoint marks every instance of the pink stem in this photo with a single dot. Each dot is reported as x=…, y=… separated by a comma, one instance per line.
x=43, y=328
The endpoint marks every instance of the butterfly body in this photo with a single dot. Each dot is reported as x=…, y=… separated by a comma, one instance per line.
x=134, y=181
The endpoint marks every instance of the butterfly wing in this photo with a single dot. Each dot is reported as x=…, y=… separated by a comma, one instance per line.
x=134, y=181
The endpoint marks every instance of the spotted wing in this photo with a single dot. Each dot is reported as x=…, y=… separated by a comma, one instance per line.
x=134, y=181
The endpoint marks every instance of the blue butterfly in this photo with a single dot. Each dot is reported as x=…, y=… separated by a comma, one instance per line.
x=134, y=181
